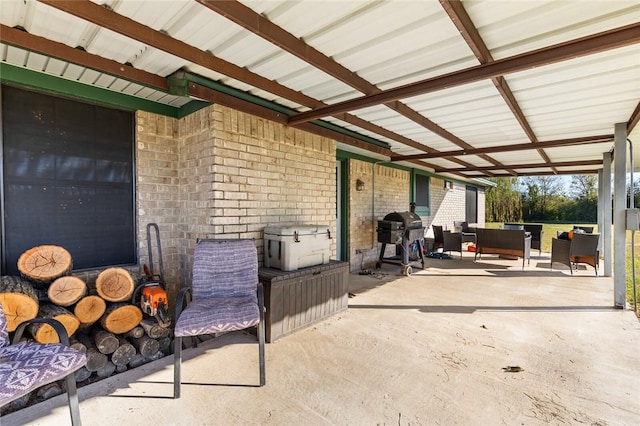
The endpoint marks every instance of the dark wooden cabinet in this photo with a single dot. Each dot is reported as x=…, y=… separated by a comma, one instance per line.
x=296, y=299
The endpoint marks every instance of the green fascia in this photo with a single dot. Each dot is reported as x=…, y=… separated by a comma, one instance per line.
x=350, y=133
x=23, y=77
x=344, y=214
x=191, y=107
x=344, y=155
x=11, y=74
x=183, y=75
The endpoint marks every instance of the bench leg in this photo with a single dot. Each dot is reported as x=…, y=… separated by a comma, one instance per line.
x=177, y=360
x=72, y=395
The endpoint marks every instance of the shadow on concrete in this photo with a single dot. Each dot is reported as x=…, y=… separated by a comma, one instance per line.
x=460, y=309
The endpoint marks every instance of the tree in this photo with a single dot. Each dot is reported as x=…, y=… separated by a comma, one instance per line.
x=584, y=186
x=543, y=196
x=584, y=205
x=503, y=202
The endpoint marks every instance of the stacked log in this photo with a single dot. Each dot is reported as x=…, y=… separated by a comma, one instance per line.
x=66, y=291
x=99, y=317
x=43, y=264
x=90, y=309
x=19, y=301
x=44, y=333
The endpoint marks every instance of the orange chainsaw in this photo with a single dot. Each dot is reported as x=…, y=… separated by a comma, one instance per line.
x=151, y=293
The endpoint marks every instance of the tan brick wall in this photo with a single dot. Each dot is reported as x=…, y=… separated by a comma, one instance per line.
x=268, y=174
x=158, y=189
x=220, y=173
x=391, y=194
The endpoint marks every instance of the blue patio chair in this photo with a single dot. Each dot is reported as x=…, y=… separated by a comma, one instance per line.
x=25, y=366
x=225, y=295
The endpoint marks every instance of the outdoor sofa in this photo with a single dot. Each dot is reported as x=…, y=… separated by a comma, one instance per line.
x=505, y=242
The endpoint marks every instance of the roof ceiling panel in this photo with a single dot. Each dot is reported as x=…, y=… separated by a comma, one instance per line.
x=515, y=157
x=511, y=28
x=51, y=23
x=14, y=56
x=388, y=43
x=36, y=61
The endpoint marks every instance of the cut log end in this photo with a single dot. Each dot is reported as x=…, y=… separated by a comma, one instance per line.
x=44, y=333
x=65, y=291
x=115, y=285
x=43, y=264
x=19, y=301
x=120, y=318
x=90, y=309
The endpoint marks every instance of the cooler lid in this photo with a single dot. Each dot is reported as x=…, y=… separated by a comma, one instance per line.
x=292, y=230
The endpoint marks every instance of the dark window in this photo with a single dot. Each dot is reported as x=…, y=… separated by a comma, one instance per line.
x=471, y=204
x=67, y=179
x=421, y=194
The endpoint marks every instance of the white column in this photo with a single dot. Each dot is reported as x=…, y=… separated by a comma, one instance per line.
x=605, y=230
x=619, y=206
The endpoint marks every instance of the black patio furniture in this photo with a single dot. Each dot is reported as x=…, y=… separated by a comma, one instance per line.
x=581, y=248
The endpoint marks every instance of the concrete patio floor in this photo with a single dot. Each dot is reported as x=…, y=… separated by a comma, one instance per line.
x=430, y=349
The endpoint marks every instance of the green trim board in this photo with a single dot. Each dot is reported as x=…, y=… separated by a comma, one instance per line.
x=26, y=78
x=178, y=81
x=342, y=154
x=178, y=85
x=421, y=210
x=344, y=209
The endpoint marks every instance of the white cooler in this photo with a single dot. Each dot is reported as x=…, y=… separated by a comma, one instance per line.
x=291, y=247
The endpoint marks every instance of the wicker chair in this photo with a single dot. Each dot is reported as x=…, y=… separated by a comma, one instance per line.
x=225, y=295
x=25, y=366
x=438, y=236
x=467, y=235
x=452, y=242
x=582, y=248
x=587, y=229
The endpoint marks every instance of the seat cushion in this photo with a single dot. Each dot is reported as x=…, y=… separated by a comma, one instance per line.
x=27, y=366
x=206, y=316
x=224, y=268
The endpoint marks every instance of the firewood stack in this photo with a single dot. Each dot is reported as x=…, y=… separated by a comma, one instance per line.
x=99, y=317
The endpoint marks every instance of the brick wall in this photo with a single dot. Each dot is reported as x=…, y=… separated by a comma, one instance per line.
x=158, y=188
x=391, y=194
x=221, y=173
x=448, y=206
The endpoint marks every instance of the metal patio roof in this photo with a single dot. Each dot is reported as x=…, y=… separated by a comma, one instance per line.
x=467, y=89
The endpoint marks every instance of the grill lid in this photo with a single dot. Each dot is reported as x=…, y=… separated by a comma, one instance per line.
x=410, y=220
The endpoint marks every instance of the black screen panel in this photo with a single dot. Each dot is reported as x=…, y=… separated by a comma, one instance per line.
x=67, y=179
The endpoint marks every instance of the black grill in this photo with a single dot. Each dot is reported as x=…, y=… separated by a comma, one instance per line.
x=405, y=230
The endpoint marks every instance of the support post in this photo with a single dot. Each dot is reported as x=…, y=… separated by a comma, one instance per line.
x=620, y=204
x=605, y=230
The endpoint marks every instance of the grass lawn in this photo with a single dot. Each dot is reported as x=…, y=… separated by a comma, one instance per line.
x=550, y=230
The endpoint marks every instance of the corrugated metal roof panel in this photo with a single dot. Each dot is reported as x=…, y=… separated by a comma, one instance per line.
x=388, y=43
x=511, y=28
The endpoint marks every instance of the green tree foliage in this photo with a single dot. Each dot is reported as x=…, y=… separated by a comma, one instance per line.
x=503, y=202
x=543, y=198
x=583, y=205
